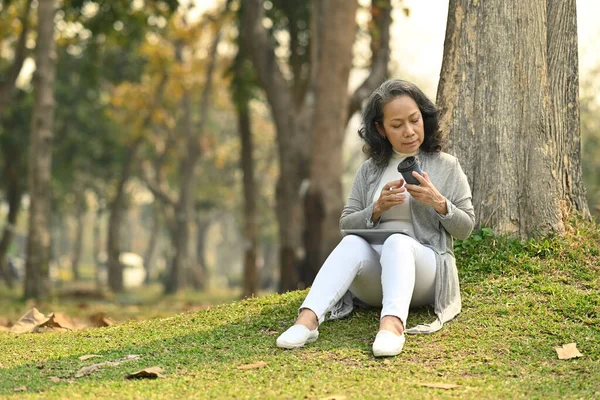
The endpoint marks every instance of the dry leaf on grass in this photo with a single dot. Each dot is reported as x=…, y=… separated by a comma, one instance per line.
x=567, y=351
x=100, y=320
x=29, y=322
x=146, y=373
x=21, y=389
x=444, y=386
x=87, y=357
x=255, y=365
x=58, y=320
x=55, y=379
x=334, y=397
x=90, y=369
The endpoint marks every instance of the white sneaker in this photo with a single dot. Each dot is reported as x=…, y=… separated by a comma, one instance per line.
x=297, y=336
x=387, y=344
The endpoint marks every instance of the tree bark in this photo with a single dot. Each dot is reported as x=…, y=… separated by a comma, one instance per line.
x=500, y=94
x=116, y=209
x=152, y=242
x=78, y=242
x=323, y=202
x=117, y=205
x=184, y=210
x=96, y=246
x=14, y=190
x=293, y=123
x=40, y=157
x=563, y=71
x=250, y=215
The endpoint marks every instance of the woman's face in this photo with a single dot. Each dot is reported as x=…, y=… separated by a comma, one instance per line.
x=402, y=124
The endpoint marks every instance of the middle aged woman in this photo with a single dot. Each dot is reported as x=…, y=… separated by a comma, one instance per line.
x=415, y=266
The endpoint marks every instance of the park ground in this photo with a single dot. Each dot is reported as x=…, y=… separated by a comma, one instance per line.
x=521, y=300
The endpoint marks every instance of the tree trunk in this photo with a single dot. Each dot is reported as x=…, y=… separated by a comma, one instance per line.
x=501, y=92
x=97, y=246
x=323, y=202
x=250, y=215
x=40, y=157
x=202, y=225
x=293, y=122
x=154, y=234
x=14, y=190
x=117, y=208
x=78, y=242
x=563, y=72
x=184, y=209
x=117, y=205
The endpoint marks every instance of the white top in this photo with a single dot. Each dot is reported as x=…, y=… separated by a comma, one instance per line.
x=397, y=217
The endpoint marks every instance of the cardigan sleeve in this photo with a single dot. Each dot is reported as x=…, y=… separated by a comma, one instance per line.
x=460, y=219
x=358, y=212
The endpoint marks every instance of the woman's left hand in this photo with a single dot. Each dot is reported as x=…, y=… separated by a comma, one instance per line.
x=427, y=194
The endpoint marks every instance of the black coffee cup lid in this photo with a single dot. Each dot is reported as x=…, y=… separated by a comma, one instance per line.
x=407, y=164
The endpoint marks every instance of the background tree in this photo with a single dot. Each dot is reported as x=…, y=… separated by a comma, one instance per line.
x=508, y=94
x=40, y=156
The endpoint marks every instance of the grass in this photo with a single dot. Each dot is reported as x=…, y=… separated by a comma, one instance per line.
x=520, y=300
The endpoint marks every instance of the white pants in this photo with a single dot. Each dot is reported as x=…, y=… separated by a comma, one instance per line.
x=395, y=275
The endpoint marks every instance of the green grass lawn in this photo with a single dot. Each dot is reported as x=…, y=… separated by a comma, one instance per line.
x=520, y=301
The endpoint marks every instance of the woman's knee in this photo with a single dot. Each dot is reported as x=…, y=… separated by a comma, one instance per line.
x=354, y=241
x=399, y=240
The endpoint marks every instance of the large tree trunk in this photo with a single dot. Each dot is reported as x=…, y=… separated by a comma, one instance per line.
x=323, y=203
x=563, y=80
x=40, y=157
x=293, y=125
x=503, y=89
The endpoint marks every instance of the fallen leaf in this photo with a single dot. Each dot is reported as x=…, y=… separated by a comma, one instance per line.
x=55, y=379
x=259, y=364
x=146, y=373
x=567, y=351
x=21, y=389
x=444, y=386
x=90, y=369
x=58, y=320
x=100, y=320
x=87, y=357
x=334, y=397
x=29, y=322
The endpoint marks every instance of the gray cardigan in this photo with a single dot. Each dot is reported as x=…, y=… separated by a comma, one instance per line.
x=431, y=229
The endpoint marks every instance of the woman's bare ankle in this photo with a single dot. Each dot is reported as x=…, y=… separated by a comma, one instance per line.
x=307, y=318
x=391, y=323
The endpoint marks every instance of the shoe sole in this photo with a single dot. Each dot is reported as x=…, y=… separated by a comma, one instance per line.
x=290, y=346
x=386, y=354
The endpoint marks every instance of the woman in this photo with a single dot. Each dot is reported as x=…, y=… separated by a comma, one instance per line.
x=416, y=267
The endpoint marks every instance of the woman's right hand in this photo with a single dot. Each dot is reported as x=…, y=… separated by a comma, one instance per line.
x=392, y=194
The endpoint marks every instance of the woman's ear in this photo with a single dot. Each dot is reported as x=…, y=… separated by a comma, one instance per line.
x=380, y=129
